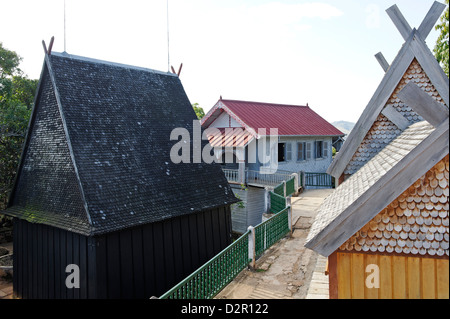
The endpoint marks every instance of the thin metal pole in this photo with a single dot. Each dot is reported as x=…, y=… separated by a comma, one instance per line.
x=64, y=25
x=168, y=39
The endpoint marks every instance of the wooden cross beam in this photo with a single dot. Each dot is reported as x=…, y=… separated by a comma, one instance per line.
x=395, y=117
x=430, y=19
x=433, y=112
x=384, y=64
x=425, y=27
x=179, y=70
x=400, y=22
x=49, y=50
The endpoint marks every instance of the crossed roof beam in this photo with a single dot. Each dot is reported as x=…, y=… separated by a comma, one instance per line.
x=405, y=29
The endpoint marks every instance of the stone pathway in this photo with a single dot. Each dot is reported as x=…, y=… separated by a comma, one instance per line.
x=287, y=270
x=318, y=287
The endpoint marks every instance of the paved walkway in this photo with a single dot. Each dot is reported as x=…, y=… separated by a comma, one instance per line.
x=287, y=270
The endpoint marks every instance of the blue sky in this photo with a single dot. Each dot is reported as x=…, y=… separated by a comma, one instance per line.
x=280, y=51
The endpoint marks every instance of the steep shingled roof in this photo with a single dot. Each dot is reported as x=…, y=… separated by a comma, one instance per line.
x=97, y=154
x=377, y=184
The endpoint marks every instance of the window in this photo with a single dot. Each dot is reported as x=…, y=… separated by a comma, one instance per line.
x=281, y=148
x=319, y=149
x=284, y=152
x=301, y=151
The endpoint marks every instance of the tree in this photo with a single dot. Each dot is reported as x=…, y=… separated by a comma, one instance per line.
x=198, y=110
x=441, y=48
x=16, y=101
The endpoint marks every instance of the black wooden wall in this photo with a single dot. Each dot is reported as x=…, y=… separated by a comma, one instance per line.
x=135, y=263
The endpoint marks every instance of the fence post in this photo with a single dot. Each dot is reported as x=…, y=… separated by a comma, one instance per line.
x=290, y=220
x=296, y=183
x=303, y=179
x=252, y=247
x=284, y=188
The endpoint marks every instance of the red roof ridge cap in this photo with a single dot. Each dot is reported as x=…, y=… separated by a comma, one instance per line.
x=266, y=103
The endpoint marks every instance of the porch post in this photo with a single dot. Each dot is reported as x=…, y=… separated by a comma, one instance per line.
x=251, y=247
x=240, y=155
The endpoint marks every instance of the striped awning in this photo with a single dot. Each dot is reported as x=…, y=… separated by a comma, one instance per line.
x=228, y=137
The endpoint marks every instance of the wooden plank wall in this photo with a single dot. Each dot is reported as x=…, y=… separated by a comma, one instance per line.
x=136, y=263
x=147, y=261
x=401, y=277
x=41, y=254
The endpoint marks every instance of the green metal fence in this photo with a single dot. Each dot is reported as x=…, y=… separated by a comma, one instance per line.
x=213, y=276
x=279, y=190
x=271, y=231
x=318, y=180
x=290, y=187
x=277, y=203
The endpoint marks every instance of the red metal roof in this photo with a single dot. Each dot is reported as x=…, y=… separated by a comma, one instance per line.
x=289, y=119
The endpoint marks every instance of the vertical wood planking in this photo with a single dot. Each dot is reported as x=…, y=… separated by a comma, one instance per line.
x=149, y=260
x=357, y=276
x=385, y=277
x=126, y=262
x=98, y=268
x=208, y=236
x=193, y=236
x=442, y=279
x=413, y=278
x=344, y=276
x=138, y=263
x=177, y=250
x=113, y=265
x=168, y=254
x=160, y=269
x=399, y=277
x=428, y=279
x=186, y=245
x=51, y=263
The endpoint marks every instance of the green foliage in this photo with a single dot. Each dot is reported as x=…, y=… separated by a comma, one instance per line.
x=16, y=101
x=198, y=110
x=442, y=43
x=9, y=62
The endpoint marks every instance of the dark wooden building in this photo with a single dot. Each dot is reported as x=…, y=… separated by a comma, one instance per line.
x=96, y=186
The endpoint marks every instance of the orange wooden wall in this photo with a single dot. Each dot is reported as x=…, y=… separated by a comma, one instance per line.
x=400, y=277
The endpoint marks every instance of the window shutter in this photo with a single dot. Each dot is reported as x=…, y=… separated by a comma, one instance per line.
x=288, y=151
x=308, y=151
x=325, y=149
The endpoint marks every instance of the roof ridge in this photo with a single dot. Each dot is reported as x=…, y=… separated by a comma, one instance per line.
x=267, y=103
x=115, y=64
